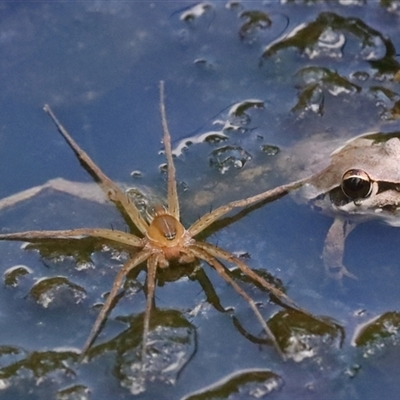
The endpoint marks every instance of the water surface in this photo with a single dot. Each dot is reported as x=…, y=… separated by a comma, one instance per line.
x=296, y=69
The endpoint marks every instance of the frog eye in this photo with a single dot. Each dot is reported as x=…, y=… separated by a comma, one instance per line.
x=356, y=184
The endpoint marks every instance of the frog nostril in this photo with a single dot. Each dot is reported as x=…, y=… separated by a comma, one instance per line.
x=356, y=184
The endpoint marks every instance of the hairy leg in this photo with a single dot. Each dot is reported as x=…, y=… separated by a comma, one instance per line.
x=129, y=265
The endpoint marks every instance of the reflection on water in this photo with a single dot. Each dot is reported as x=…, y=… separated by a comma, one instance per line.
x=250, y=384
x=246, y=81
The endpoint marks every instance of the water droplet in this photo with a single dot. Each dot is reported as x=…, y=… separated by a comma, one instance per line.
x=377, y=332
x=313, y=81
x=204, y=64
x=392, y=6
x=12, y=275
x=352, y=2
x=163, y=168
x=168, y=350
x=375, y=49
x=239, y=109
x=312, y=99
x=330, y=44
x=302, y=336
x=138, y=198
x=4, y=384
x=327, y=35
x=353, y=370
x=254, y=21
x=233, y=5
x=56, y=290
x=76, y=392
x=270, y=150
x=117, y=255
x=247, y=384
x=360, y=313
x=184, y=186
x=83, y=266
x=194, y=12
x=136, y=174
x=207, y=137
x=388, y=101
x=362, y=76
x=242, y=254
x=227, y=157
x=10, y=355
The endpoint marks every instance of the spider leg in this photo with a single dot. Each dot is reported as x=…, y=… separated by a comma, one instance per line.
x=151, y=282
x=130, y=264
x=113, y=192
x=203, y=254
x=220, y=253
x=108, y=234
x=272, y=194
x=281, y=296
x=173, y=201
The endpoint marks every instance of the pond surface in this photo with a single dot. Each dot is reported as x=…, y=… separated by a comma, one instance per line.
x=246, y=82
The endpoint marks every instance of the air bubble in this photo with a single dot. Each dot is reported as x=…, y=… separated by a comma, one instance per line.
x=227, y=157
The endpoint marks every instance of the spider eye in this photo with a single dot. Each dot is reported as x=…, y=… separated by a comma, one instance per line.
x=356, y=184
x=164, y=228
x=169, y=234
x=167, y=227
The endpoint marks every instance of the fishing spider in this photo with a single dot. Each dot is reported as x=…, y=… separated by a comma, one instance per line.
x=162, y=236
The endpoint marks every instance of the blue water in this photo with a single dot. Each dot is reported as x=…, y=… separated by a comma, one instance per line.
x=98, y=64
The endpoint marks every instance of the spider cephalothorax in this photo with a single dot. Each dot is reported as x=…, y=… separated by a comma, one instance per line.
x=168, y=235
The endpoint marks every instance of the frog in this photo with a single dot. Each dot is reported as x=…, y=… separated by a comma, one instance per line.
x=352, y=179
x=361, y=182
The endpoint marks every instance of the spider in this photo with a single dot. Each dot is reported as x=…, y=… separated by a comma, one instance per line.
x=161, y=238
